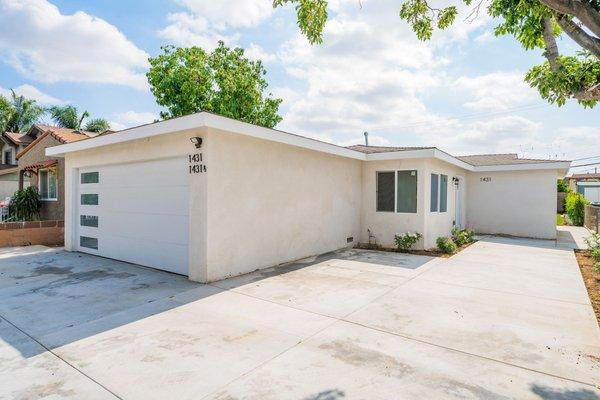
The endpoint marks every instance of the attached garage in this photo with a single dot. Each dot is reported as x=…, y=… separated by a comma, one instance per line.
x=136, y=212
x=211, y=197
x=590, y=190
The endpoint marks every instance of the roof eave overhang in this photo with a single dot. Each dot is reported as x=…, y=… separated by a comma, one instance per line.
x=561, y=166
x=202, y=120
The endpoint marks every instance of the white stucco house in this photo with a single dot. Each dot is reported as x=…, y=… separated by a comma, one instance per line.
x=211, y=197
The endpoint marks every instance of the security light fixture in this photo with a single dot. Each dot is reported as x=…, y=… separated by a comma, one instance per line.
x=197, y=141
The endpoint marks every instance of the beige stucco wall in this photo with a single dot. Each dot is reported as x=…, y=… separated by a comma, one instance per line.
x=384, y=225
x=269, y=203
x=519, y=203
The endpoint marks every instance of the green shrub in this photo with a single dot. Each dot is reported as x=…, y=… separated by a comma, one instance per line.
x=446, y=245
x=596, y=254
x=462, y=236
x=406, y=240
x=25, y=205
x=562, y=187
x=575, y=205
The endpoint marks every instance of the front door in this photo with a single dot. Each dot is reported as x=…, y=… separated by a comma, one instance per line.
x=458, y=202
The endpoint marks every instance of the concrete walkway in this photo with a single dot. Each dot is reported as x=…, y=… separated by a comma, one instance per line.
x=505, y=318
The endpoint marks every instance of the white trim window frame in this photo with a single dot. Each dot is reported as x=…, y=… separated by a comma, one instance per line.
x=439, y=192
x=395, y=188
x=48, y=192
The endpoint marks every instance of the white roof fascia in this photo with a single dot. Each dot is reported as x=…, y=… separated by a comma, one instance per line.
x=243, y=128
x=452, y=160
x=200, y=120
x=589, y=183
x=560, y=165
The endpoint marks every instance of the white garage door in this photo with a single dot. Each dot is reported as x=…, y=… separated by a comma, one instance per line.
x=135, y=212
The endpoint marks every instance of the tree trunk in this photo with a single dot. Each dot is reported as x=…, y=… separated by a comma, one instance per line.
x=580, y=9
x=586, y=41
x=551, y=52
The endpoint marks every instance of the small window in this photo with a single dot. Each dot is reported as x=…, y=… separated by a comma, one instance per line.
x=406, y=198
x=48, y=185
x=89, y=220
x=88, y=242
x=385, y=191
x=8, y=159
x=434, y=192
x=90, y=177
x=89, y=199
x=443, y=193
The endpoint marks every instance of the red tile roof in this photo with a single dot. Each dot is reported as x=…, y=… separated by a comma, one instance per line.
x=40, y=165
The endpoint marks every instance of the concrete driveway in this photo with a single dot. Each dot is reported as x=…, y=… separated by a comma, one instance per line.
x=504, y=319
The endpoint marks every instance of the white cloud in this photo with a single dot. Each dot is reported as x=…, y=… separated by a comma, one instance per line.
x=47, y=46
x=256, y=52
x=205, y=22
x=232, y=13
x=129, y=119
x=496, y=91
x=190, y=30
x=31, y=92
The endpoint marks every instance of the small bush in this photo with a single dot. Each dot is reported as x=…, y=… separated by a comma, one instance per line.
x=575, y=205
x=596, y=254
x=462, y=236
x=406, y=240
x=562, y=186
x=25, y=205
x=446, y=245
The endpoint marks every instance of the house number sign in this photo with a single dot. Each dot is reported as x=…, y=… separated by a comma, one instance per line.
x=486, y=179
x=195, y=164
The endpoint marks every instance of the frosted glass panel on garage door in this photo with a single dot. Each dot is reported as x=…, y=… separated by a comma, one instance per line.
x=142, y=213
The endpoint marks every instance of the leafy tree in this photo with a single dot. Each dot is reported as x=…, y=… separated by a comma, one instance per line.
x=4, y=112
x=189, y=80
x=534, y=23
x=17, y=114
x=69, y=117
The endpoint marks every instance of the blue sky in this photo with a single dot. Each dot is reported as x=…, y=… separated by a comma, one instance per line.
x=463, y=92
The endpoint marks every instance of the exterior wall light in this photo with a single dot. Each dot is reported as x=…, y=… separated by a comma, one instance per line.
x=197, y=141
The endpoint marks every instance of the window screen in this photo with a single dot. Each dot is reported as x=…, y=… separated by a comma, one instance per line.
x=407, y=192
x=89, y=220
x=90, y=177
x=89, y=199
x=89, y=242
x=434, y=192
x=385, y=191
x=443, y=193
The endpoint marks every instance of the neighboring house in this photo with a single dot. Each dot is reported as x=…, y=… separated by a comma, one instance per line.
x=10, y=145
x=211, y=197
x=586, y=184
x=47, y=173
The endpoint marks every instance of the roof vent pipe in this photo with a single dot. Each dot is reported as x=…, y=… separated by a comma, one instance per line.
x=366, y=138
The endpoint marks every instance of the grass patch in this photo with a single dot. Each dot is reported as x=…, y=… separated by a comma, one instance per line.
x=560, y=220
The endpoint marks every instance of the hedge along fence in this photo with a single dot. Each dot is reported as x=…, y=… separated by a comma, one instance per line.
x=48, y=233
x=592, y=218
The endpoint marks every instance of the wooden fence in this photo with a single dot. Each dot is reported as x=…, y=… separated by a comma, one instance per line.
x=592, y=218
